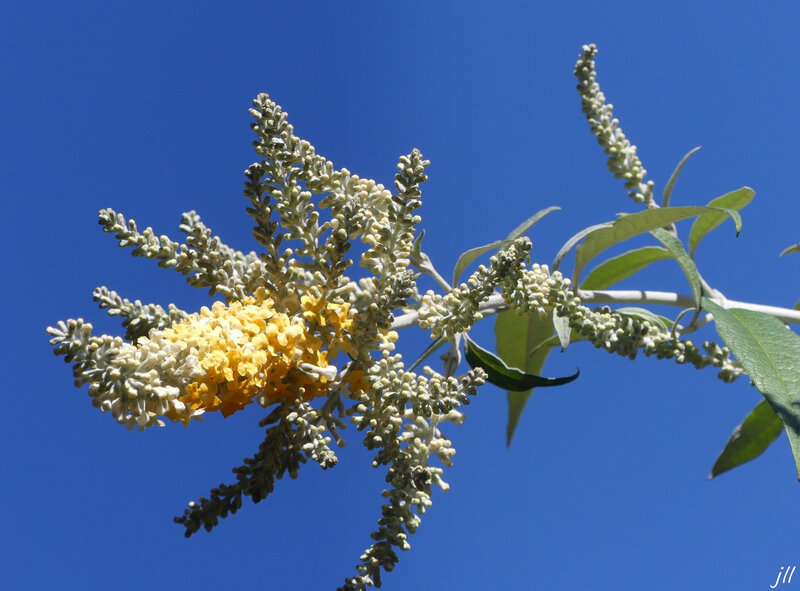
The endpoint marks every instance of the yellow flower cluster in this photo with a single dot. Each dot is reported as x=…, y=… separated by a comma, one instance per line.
x=248, y=349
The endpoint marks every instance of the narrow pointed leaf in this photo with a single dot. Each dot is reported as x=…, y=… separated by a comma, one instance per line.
x=574, y=240
x=469, y=256
x=770, y=354
x=621, y=267
x=645, y=314
x=735, y=200
x=527, y=224
x=473, y=253
x=554, y=341
x=750, y=439
x=790, y=249
x=675, y=247
x=633, y=224
x=520, y=344
x=508, y=378
x=675, y=174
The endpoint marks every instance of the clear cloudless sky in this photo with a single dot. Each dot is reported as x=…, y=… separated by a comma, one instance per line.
x=142, y=106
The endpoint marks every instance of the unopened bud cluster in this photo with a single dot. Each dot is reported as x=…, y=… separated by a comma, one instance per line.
x=204, y=259
x=459, y=309
x=612, y=331
x=622, y=159
x=537, y=291
x=138, y=318
x=401, y=415
x=627, y=335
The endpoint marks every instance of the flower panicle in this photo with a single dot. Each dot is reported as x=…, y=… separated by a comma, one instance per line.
x=137, y=385
x=285, y=182
x=139, y=319
x=537, y=290
x=296, y=433
x=623, y=162
x=205, y=261
x=288, y=313
x=223, y=358
x=401, y=415
x=455, y=312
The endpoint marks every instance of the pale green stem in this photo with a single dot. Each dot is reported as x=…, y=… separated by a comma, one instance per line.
x=495, y=304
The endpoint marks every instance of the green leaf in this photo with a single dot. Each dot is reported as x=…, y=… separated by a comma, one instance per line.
x=668, y=322
x=790, y=249
x=735, y=200
x=770, y=354
x=554, y=341
x=574, y=240
x=633, y=224
x=473, y=253
x=675, y=247
x=675, y=174
x=508, y=378
x=467, y=257
x=623, y=266
x=520, y=344
x=563, y=330
x=527, y=224
x=750, y=439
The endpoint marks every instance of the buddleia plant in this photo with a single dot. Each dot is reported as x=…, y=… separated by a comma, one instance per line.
x=303, y=331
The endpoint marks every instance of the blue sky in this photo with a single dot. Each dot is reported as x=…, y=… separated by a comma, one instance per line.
x=143, y=107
